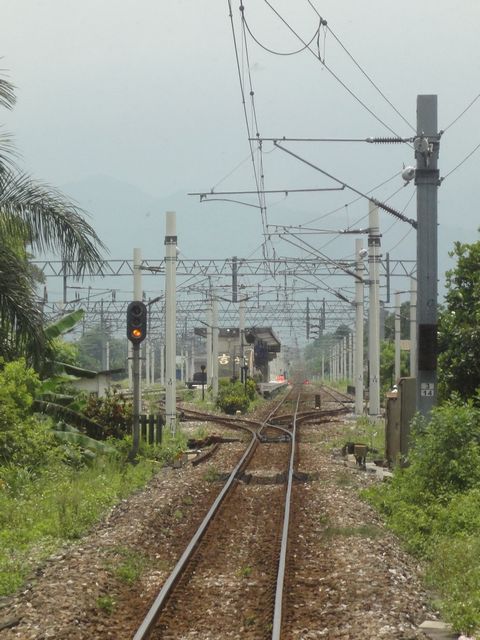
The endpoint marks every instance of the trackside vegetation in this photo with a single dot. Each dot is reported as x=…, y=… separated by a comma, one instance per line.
x=433, y=503
x=434, y=506
x=56, y=483
x=236, y=396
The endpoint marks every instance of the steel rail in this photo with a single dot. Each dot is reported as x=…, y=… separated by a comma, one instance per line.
x=277, y=613
x=149, y=621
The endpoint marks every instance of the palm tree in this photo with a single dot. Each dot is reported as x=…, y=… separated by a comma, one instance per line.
x=40, y=217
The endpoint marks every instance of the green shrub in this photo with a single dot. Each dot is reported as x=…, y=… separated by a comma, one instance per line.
x=113, y=412
x=434, y=506
x=232, y=398
x=455, y=574
x=25, y=440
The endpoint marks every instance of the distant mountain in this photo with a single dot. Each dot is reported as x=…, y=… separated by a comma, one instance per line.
x=125, y=217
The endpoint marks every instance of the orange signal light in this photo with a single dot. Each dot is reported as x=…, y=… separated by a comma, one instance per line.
x=136, y=333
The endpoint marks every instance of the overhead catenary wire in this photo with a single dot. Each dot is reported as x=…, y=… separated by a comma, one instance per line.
x=272, y=51
x=337, y=209
x=360, y=68
x=332, y=73
x=467, y=157
x=461, y=114
x=257, y=171
x=382, y=205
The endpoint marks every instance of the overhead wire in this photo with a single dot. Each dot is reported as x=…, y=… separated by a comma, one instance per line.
x=337, y=209
x=460, y=163
x=272, y=51
x=242, y=162
x=461, y=114
x=360, y=68
x=337, y=78
x=257, y=175
x=261, y=177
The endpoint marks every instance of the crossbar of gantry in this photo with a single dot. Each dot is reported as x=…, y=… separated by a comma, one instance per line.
x=221, y=267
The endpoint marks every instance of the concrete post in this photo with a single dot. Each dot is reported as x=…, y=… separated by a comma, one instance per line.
x=215, y=333
x=209, y=345
x=359, y=294
x=413, y=327
x=426, y=147
x=374, y=310
x=397, y=337
x=162, y=365
x=170, y=324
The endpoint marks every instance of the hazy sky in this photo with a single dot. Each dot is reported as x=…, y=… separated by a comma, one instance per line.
x=147, y=92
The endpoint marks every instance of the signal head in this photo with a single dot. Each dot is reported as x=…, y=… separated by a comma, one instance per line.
x=136, y=322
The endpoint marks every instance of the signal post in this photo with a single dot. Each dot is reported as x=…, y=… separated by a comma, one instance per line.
x=136, y=333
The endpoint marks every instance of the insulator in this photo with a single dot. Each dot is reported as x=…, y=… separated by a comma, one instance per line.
x=385, y=140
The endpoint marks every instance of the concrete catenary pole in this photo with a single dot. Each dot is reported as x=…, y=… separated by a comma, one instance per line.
x=350, y=357
x=209, y=343
x=413, y=327
x=162, y=364
x=215, y=333
x=426, y=145
x=241, y=332
x=397, y=336
x=359, y=295
x=374, y=311
x=170, y=321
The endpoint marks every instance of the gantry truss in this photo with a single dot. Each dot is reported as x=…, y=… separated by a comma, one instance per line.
x=280, y=293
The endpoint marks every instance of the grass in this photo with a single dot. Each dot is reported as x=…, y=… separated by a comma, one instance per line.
x=363, y=431
x=106, y=603
x=245, y=572
x=128, y=565
x=60, y=506
x=211, y=474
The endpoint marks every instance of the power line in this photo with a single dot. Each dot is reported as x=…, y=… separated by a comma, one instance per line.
x=460, y=163
x=318, y=57
x=356, y=63
x=242, y=90
x=461, y=114
x=277, y=53
x=329, y=213
x=382, y=205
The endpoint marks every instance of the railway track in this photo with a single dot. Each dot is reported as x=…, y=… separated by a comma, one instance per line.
x=229, y=580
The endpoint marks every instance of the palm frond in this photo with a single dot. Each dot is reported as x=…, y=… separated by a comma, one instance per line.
x=59, y=412
x=81, y=440
x=52, y=222
x=7, y=151
x=7, y=94
x=64, y=324
x=21, y=327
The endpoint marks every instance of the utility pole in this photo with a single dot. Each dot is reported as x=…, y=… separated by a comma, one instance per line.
x=215, y=334
x=374, y=311
x=241, y=331
x=413, y=327
x=359, y=295
x=426, y=147
x=209, y=342
x=398, y=309
x=171, y=321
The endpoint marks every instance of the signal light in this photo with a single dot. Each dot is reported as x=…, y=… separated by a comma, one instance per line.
x=136, y=322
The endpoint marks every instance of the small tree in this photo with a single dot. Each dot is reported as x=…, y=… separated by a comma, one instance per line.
x=459, y=325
